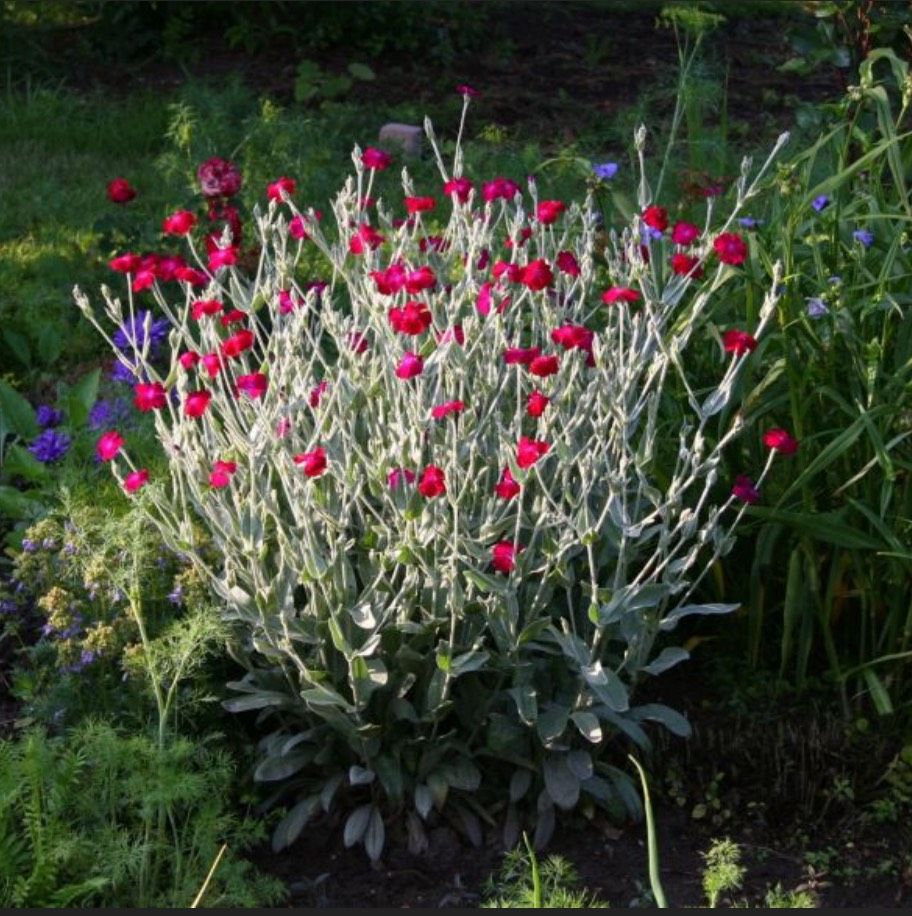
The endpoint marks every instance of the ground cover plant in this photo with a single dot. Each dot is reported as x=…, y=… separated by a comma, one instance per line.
x=456, y=598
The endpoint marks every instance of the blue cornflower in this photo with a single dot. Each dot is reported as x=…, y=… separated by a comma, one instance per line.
x=648, y=232
x=865, y=236
x=132, y=334
x=108, y=413
x=48, y=416
x=816, y=307
x=820, y=203
x=50, y=446
x=748, y=222
x=605, y=170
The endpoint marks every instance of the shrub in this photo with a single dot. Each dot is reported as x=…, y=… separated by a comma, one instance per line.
x=456, y=499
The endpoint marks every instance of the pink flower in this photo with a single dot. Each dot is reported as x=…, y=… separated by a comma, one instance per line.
x=178, y=223
x=573, y=337
x=738, y=342
x=419, y=204
x=524, y=235
x=684, y=233
x=143, y=279
x=188, y=359
x=376, y=159
x=686, y=265
x=212, y=363
x=391, y=280
x=399, y=476
x=253, y=385
x=412, y=319
x=503, y=188
x=288, y=302
x=503, y=556
x=109, y=444
x=196, y=403
x=730, y=248
x=780, y=441
x=513, y=272
x=357, y=341
x=434, y=243
x=167, y=267
x=312, y=463
x=432, y=482
x=507, y=487
x=218, y=178
x=237, y=343
x=528, y=451
x=191, y=275
x=120, y=191
x=656, y=218
x=467, y=91
x=445, y=409
x=543, y=366
x=221, y=473
x=296, y=228
x=537, y=275
x=235, y=316
x=283, y=428
x=536, y=404
x=409, y=366
x=222, y=257
x=125, y=263
x=205, y=307
x=150, y=396
x=620, y=294
x=419, y=280
x=548, y=211
x=280, y=189
x=452, y=335
x=567, y=263
x=745, y=490
x=316, y=393
x=520, y=356
x=461, y=187
x=136, y=480
x=366, y=238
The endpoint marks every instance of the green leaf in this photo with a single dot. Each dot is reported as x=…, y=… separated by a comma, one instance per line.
x=81, y=397
x=672, y=618
x=361, y=72
x=827, y=527
x=374, y=835
x=19, y=347
x=259, y=700
x=562, y=785
x=670, y=718
x=50, y=345
x=462, y=774
x=588, y=725
x=321, y=695
x=607, y=686
x=520, y=782
x=275, y=768
x=356, y=825
x=424, y=800
x=469, y=661
x=552, y=721
x=16, y=413
x=16, y=504
x=360, y=776
x=20, y=462
x=879, y=694
x=289, y=828
x=666, y=659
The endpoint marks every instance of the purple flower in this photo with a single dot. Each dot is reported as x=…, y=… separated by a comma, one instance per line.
x=820, y=203
x=107, y=413
x=835, y=280
x=7, y=606
x=177, y=596
x=647, y=233
x=69, y=549
x=49, y=544
x=47, y=416
x=50, y=446
x=865, y=236
x=605, y=170
x=816, y=308
x=131, y=335
x=29, y=546
x=748, y=222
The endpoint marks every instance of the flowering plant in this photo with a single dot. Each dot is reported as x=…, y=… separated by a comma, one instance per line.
x=436, y=488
